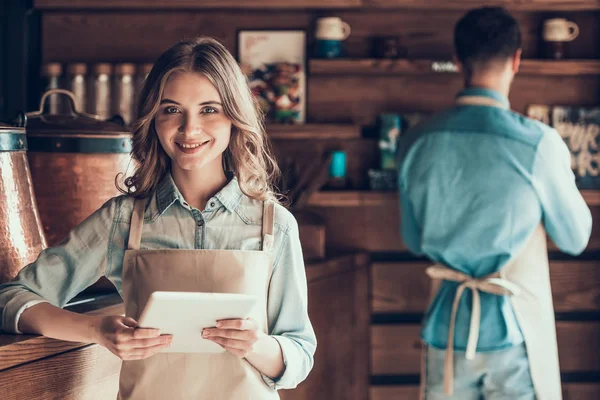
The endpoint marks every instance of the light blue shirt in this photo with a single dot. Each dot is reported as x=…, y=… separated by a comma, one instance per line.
x=474, y=183
x=230, y=221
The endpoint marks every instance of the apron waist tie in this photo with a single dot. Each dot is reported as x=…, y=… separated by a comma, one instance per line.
x=493, y=284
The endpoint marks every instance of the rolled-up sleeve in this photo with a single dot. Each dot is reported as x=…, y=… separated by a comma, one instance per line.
x=62, y=271
x=288, y=312
x=566, y=216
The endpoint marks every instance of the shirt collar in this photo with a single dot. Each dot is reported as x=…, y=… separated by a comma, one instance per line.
x=483, y=92
x=167, y=193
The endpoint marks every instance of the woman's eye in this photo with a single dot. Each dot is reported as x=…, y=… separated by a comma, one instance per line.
x=209, y=110
x=171, y=110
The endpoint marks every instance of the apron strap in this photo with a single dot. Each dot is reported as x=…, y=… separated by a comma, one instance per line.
x=268, y=225
x=137, y=221
x=493, y=284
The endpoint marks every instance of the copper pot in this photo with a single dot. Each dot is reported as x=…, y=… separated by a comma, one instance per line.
x=21, y=234
x=74, y=160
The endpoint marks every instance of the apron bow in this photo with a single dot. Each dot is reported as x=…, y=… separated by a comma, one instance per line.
x=493, y=284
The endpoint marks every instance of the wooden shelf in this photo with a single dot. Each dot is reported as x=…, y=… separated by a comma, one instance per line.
x=194, y=4
x=369, y=66
x=313, y=132
x=367, y=198
x=529, y=5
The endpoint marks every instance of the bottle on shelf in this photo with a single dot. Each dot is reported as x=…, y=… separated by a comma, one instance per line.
x=100, y=98
x=337, y=171
x=51, y=74
x=76, y=83
x=142, y=73
x=124, y=88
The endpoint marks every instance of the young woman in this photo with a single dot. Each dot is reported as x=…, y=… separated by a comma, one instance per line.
x=198, y=214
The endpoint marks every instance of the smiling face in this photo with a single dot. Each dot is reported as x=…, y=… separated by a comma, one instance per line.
x=190, y=123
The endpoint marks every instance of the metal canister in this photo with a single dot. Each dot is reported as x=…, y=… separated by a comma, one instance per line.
x=75, y=159
x=21, y=234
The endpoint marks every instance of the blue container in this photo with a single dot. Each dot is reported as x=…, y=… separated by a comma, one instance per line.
x=337, y=168
x=328, y=48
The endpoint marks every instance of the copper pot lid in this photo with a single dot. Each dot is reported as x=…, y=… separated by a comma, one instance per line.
x=74, y=132
x=74, y=122
x=12, y=138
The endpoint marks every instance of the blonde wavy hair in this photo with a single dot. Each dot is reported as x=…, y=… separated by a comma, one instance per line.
x=248, y=156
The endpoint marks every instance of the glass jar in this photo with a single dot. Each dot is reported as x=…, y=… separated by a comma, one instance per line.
x=100, y=90
x=124, y=88
x=76, y=84
x=51, y=73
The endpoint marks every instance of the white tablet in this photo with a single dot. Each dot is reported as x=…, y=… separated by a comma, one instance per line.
x=185, y=314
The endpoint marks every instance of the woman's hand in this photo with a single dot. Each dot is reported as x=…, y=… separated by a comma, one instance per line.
x=121, y=337
x=237, y=336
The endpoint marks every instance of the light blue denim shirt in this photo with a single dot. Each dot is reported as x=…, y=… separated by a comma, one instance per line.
x=230, y=221
x=475, y=181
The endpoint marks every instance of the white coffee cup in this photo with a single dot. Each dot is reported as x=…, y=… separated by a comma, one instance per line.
x=332, y=28
x=559, y=30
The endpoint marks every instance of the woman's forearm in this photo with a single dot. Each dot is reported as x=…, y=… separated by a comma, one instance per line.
x=48, y=320
x=267, y=357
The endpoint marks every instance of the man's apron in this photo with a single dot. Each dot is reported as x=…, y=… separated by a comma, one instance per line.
x=176, y=376
x=526, y=279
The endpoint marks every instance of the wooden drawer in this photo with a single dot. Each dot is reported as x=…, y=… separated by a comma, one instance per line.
x=396, y=349
x=403, y=287
x=571, y=391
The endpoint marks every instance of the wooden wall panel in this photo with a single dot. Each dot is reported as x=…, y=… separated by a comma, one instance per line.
x=396, y=349
x=594, y=243
x=403, y=287
x=142, y=35
x=361, y=155
x=360, y=99
x=338, y=308
x=581, y=391
x=368, y=228
x=377, y=228
x=408, y=392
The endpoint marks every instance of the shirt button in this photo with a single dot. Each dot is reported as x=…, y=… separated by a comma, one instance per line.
x=212, y=204
x=200, y=223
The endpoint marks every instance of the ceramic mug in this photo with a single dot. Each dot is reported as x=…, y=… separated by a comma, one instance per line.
x=332, y=28
x=559, y=30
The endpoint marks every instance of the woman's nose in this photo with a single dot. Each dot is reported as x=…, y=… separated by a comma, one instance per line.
x=190, y=125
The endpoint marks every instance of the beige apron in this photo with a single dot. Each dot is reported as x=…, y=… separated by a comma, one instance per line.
x=526, y=279
x=175, y=376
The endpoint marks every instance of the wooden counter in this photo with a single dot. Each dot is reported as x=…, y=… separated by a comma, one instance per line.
x=36, y=367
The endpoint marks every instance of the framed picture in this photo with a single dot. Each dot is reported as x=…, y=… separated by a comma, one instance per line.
x=275, y=63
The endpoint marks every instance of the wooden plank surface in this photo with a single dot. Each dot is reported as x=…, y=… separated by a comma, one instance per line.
x=313, y=132
x=370, y=66
x=141, y=35
x=351, y=225
x=532, y=5
x=357, y=198
x=404, y=392
x=396, y=349
x=571, y=391
x=88, y=373
x=335, y=265
x=403, y=287
x=191, y=4
x=20, y=349
x=339, y=313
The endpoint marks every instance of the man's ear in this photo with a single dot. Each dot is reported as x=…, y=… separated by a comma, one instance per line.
x=457, y=63
x=516, y=60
